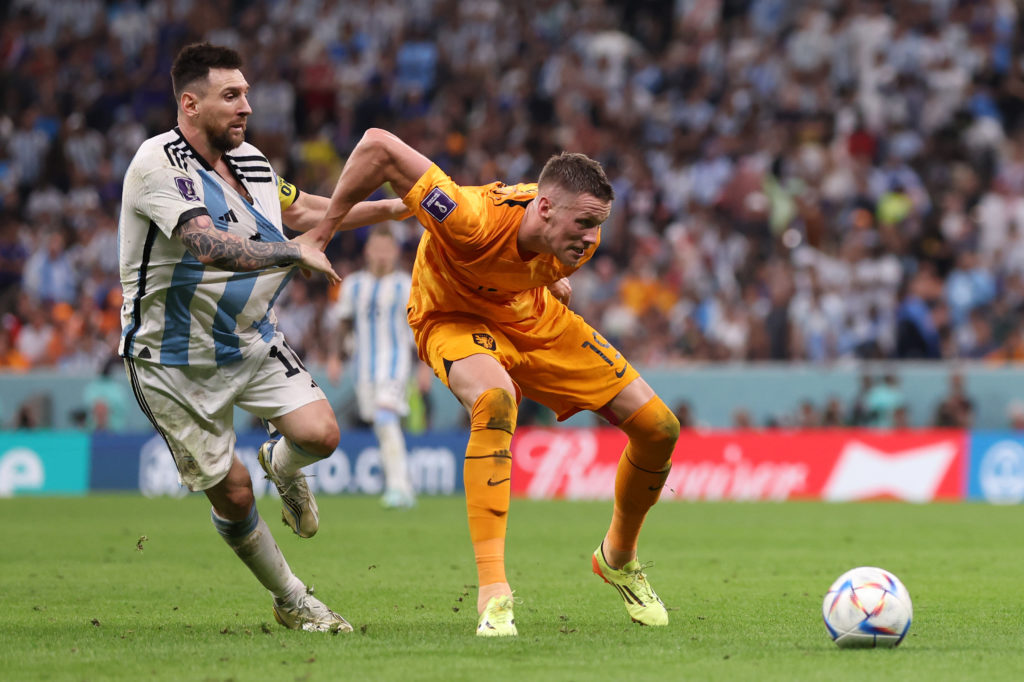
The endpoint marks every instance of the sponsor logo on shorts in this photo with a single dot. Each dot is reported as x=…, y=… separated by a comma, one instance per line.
x=187, y=189
x=485, y=341
x=438, y=204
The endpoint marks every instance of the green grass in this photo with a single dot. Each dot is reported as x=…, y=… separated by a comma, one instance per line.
x=743, y=583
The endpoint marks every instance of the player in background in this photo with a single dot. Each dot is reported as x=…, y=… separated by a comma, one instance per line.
x=203, y=257
x=488, y=311
x=371, y=308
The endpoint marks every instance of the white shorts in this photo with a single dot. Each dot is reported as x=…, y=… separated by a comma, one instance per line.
x=383, y=395
x=193, y=408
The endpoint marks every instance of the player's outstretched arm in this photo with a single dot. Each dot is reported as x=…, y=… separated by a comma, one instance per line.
x=230, y=252
x=304, y=214
x=378, y=158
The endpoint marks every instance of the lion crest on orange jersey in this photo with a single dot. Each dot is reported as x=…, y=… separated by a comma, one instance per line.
x=485, y=341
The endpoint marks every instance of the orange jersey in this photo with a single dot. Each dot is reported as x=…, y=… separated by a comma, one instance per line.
x=468, y=261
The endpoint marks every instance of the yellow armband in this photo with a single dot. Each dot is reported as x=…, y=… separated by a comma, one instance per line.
x=287, y=193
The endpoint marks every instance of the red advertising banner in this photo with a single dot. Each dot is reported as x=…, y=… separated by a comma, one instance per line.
x=839, y=465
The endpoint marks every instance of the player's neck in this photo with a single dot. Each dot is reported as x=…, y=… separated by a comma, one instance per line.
x=529, y=239
x=199, y=142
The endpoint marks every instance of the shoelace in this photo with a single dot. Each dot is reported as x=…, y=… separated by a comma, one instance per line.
x=640, y=576
x=513, y=600
x=315, y=607
x=291, y=485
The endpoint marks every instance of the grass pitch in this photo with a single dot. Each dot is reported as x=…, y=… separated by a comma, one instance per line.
x=122, y=587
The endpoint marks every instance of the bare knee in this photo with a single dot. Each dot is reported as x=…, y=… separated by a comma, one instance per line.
x=320, y=438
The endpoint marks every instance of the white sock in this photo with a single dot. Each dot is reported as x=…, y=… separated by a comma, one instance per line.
x=393, y=455
x=287, y=458
x=255, y=546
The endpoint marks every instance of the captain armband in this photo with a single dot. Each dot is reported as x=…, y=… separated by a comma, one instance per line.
x=287, y=193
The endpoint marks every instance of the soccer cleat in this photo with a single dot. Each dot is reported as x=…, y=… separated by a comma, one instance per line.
x=298, y=506
x=497, y=619
x=397, y=499
x=310, y=614
x=642, y=603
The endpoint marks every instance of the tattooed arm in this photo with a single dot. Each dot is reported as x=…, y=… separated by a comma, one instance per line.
x=230, y=252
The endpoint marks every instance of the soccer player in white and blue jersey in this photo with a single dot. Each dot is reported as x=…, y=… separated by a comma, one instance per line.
x=203, y=257
x=372, y=308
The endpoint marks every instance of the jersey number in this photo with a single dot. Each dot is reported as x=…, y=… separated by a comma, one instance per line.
x=289, y=370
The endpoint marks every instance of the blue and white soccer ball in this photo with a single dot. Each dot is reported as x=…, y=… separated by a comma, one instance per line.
x=867, y=607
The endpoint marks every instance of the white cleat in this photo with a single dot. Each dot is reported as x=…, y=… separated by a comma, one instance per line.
x=298, y=506
x=310, y=614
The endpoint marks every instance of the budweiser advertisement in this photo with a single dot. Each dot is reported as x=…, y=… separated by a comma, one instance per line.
x=841, y=465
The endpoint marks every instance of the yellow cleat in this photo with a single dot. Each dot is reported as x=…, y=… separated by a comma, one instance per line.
x=642, y=603
x=497, y=619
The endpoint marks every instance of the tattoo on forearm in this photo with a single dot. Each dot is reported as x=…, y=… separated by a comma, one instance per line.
x=231, y=252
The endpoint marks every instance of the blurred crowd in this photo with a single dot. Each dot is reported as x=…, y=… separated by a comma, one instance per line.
x=817, y=181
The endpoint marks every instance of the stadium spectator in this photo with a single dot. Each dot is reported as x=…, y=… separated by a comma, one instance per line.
x=843, y=147
x=106, y=399
x=13, y=255
x=11, y=359
x=885, y=404
x=1015, y=415
x=741, y=420
x=49, y=276
x=832, y=414
x=956, y=409
x=684, y=413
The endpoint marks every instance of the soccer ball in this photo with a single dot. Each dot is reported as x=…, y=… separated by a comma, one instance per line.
x=867, y=607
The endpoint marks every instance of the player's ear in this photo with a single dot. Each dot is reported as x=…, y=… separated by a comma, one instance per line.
x=543, y=206
x=189, y=103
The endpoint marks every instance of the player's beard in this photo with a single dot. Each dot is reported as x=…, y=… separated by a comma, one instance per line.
x=222, y=140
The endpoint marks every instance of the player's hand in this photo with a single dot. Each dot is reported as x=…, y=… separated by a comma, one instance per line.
x=317, y=237
x=399, y=211
x=313, y=260
x=561, y=290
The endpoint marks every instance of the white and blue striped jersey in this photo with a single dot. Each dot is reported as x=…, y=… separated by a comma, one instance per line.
x=176, y=310
x=384, y=344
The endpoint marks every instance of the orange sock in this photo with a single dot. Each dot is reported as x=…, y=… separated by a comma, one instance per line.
x=643, y=469
x=486, y=475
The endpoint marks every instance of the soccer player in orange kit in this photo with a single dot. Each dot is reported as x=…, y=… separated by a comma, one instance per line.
x=488, y=310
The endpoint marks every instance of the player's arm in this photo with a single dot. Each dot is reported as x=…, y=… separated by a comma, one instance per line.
x=230, y=252
x=308, y=209
x=379, y=157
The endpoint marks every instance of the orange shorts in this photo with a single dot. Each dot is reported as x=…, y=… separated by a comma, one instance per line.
x=557, y=360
